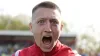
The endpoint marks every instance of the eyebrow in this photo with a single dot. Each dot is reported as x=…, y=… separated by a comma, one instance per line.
x=47, y=19
x=54, y=19
x=42, y=19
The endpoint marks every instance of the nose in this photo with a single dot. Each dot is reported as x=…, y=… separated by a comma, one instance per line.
x=48, y=27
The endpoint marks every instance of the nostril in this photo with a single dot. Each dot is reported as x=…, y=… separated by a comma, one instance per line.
x=48, y=31
x=47, y=28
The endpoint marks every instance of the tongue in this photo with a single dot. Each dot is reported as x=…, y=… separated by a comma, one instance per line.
x=47, y=42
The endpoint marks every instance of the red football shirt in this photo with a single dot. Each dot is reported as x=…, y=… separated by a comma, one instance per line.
x=58, y=50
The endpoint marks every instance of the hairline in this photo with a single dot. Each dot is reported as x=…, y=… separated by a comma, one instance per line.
x=43, y=7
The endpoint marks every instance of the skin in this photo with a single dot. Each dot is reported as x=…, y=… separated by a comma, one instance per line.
x=46, y=22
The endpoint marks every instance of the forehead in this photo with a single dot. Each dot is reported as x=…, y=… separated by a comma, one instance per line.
x=46, y=13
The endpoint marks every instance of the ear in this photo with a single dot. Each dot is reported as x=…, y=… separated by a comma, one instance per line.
x=61, y=26
x=30, y=26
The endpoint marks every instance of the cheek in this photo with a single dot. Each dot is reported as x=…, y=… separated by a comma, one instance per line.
x=37, y=35
x=56, y=32
x=56, y=28
x=37, y=31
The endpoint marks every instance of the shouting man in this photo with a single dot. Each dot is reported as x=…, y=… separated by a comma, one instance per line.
x=46, y=26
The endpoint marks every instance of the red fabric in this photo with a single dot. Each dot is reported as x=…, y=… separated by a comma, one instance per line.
x=58, y=50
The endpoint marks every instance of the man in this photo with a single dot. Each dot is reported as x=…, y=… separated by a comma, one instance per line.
x=46, y=26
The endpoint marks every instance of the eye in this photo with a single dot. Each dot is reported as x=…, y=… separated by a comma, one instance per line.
x=41, y=22
x=53, y=21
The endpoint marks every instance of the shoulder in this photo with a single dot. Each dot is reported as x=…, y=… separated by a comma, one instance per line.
x=16, y=53
x=67, y=50
x=23, y=52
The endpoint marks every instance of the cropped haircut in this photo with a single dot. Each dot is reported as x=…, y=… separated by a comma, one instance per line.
x=46, y=4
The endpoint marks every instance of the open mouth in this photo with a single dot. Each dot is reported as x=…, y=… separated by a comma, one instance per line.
x=47, y=39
